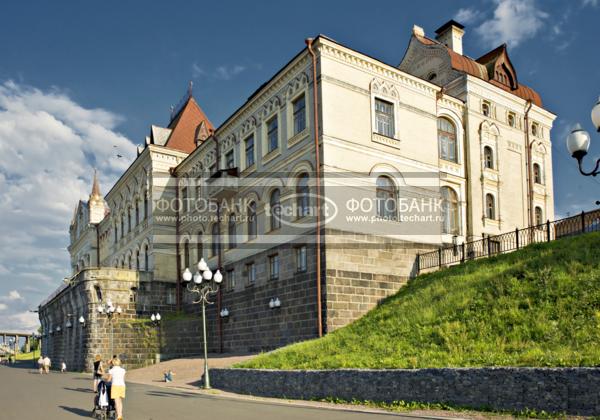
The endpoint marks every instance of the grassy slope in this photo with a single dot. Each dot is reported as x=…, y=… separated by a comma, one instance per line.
x=536, y=307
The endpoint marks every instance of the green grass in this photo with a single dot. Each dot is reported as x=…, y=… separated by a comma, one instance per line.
x=28, y=356
x=536, y=307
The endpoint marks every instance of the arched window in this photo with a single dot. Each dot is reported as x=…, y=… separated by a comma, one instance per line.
x=116, y=232
x=137, y=259
x=450, y=211
x=490, y=206
x=146, y=206
x=122, y=226
x=302, y=197
x=275, y=208
x=186, y=254
x=252, y=220
x=214, y=249
x=231, y=231
x=129, y=219
x=488, y=157
x=137, y=212
x=539, y=216
x=199, y=245
x=447, y=140
x=537, y=173
x=146, y=259
x=386, y=198
x=129, y=261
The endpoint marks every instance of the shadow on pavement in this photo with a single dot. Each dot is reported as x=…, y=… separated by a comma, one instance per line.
x=78, y=411
x=171, y=394
x=86, y=390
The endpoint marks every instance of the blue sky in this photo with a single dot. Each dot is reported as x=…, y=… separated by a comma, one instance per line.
x=77, y=78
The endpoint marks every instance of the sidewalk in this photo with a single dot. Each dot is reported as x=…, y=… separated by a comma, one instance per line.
x=187, y=371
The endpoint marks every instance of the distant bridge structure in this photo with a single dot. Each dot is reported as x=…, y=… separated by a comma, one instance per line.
x=7, y=348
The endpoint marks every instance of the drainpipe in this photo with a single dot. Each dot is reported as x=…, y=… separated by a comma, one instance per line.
x=219, y=252
x=528, y=163
x=178, y=257
x=309, y=43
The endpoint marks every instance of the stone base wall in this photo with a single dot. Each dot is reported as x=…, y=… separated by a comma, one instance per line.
x=252, y=325
x=562, y=390
x=362, y=270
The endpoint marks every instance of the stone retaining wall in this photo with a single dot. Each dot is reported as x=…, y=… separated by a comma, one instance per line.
x=561, y=390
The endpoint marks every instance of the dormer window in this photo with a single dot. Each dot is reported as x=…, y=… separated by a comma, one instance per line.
x=485, y=108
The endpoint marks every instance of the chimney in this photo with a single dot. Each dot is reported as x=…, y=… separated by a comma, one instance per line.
x=450, y=34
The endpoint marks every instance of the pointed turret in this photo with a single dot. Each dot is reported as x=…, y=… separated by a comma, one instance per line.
x=97, y=206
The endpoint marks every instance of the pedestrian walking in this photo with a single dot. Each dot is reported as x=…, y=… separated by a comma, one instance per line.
x=63, y=367
x=47, y=364
x=116, y=375
x=40, y=363
x=98, y=371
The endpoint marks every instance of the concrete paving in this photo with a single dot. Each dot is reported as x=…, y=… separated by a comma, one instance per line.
x=25, y=394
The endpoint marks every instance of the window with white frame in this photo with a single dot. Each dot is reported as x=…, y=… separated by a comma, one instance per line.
x=229, y=159
x=272, y=134
x=384, y=118
x=252, y=220
x=537, y=174
x=302, y=196
x=301, y=259
x=450, y=211
x=512, y=120
x=386, y=198
x=274, y=266
x=299, y=114
x=230, y=280
x=275, y=209
x=447, y=140
x=250, y=273
x=488, y=157
x=490, y=206
x=249, y=148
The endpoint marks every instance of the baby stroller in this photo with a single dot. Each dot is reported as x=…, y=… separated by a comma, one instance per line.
x=104, y=405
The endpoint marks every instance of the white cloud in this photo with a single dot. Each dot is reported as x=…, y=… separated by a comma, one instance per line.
x=220, y=73
x=467, y=15
x=593, y=3
x=48, y=146
x=514, y=21
x=3, y=306
x=20, y=322
x=12, y=295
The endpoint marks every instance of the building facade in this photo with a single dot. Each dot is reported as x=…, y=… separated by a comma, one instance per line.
x=440, y=149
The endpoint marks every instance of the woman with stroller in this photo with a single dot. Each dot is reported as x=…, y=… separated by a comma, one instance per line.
x=98, y=371
x=116, y=375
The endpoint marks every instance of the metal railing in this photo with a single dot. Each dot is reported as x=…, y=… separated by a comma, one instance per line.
x=510, y=241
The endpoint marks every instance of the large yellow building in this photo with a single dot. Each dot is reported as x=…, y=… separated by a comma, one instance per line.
x=440, y=149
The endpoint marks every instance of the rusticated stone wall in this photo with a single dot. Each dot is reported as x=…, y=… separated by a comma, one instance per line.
x=560, y=390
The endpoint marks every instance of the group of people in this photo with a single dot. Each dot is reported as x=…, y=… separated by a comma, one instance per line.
x=44, y=365
x=114, y=374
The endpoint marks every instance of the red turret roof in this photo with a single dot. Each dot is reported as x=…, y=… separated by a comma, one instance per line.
x=184, y=126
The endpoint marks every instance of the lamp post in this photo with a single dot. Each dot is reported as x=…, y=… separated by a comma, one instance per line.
x=205, y=285
x=110, y=310
x=578, y=142
x=155, y=318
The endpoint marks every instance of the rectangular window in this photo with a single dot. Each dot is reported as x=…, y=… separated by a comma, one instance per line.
x=272, y=134
x=301, y=258
x=249, y=151
x=229, y=160
x=384, y=118
x=184, y=199
x=250, y=273
x=230, y=280
x=299, y=106
x=274, y=267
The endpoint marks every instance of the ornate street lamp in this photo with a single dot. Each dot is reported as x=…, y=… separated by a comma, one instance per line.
x=205, y=285
x=155, y=318
x=578, y=142
x=110, y=311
